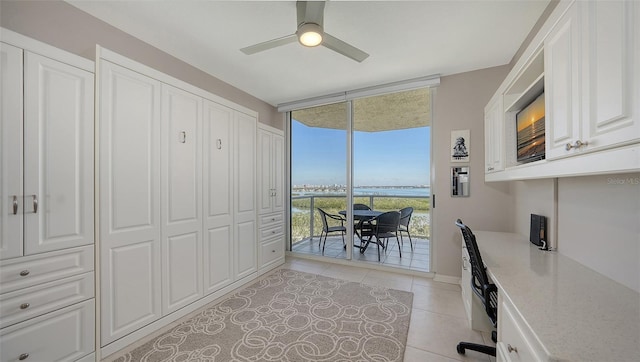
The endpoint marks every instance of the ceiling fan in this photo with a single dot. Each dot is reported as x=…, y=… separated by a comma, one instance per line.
x=310, y=33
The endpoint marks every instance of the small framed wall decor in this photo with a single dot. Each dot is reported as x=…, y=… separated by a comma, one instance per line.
x=460, y=145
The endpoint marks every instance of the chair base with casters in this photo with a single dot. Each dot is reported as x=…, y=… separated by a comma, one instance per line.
x=491, y=351
x=486, y=291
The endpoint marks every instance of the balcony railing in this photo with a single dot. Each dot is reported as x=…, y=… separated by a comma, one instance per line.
x=306, y=223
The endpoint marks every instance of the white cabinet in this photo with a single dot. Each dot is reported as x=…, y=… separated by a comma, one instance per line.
x=177, y=198
x=609, y=97
x=516, y=342
x=46, y=198
x=562, y=63
x=246, y=254
x=271, y=170
x=494, y=136
x=589, y=62
x=591, y=77
x=130, y=251
x=63, y=335
x=181, y=204
x=11, y=130
x=271, y=195
x=230, y=195
x=47, y=181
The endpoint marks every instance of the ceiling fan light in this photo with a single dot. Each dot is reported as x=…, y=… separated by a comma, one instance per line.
x=310, y=34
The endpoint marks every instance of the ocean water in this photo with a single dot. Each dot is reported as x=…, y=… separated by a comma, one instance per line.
x=368, y=191
x=392, y=191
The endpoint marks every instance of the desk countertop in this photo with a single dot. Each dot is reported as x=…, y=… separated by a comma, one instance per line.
x=576, y=313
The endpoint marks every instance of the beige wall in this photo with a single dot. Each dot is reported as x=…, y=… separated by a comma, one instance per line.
x=459, y=104
x=66, y=27
x=535, y=197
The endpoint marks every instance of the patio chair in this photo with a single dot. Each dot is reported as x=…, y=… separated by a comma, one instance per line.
x=405, y=218
x=384, y=226
x=327, y=229
x=361, y=207
x=361, y=224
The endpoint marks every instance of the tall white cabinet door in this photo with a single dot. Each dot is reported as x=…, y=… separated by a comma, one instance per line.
x=11, y=123
x=245, y=198
x=129, y=200
x=181, y=190
x=608, y=74
x=277, y=177
x=218, y=191
x=265, y=170
x=562, y=83
x=58, y=171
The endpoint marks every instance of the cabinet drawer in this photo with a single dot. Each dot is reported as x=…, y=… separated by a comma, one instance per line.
x=515, y=342
x=272, y=251
x=270, y=233
x=31, y=270
x=43, y=298
x=271, y=219
x=64, y=335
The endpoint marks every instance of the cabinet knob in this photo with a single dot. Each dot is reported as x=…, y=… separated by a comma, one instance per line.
x=512, y=349
x=24, y=305
x=273, y=251
x=24, y=273
x=23, y=356
x=15, y=204
x=577, y=144
x=489, y=168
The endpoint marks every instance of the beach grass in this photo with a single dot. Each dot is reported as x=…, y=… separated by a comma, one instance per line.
x=301, y=221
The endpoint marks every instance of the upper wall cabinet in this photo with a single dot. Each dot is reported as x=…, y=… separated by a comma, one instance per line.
x=587, y=59
x=46, y=172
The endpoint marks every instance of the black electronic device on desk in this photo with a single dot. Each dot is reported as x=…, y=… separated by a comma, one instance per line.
x=538, y=233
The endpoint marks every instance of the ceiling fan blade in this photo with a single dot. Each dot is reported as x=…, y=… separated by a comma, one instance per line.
x=252, y=49
x=343, y=48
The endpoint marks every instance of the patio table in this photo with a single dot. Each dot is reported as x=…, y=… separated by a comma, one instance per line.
x=362, y=216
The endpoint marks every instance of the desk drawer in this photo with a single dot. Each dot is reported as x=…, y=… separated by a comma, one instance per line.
x=515, y=341
x=64, y=335
x=272, y=251
x=270, y=233
x=31, y=302
x=28, y=271
x=271, y=219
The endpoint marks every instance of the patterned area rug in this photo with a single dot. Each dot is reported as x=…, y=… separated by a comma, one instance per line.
x=291, y=316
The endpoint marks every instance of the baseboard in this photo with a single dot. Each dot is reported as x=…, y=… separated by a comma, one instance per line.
x=446, y=279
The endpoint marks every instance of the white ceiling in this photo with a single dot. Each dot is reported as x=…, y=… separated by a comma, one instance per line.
x=405, y=39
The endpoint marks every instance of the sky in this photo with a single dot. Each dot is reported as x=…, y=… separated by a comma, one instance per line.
x=389, y=158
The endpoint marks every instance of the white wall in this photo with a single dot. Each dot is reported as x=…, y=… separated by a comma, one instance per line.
x=535, y=197
x=598, y=220
x=599, y=224
x=66, y=27
x=459, y=104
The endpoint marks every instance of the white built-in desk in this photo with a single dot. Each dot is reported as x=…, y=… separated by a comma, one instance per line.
x=554, y=308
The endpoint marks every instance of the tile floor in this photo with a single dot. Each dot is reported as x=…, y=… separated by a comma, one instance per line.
x=438, y=320
x=418, y=259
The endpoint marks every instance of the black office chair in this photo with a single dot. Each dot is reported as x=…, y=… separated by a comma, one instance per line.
x=487, y=292
x=405, y=218
x=327, y=229
x=384, y=226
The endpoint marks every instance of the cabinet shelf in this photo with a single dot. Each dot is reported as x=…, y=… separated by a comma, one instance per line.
x=528, y=95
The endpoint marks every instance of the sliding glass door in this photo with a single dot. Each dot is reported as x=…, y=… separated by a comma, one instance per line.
x=319, y=180
x=374, y=152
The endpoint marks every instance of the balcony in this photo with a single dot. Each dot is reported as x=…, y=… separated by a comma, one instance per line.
x=306, y=226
